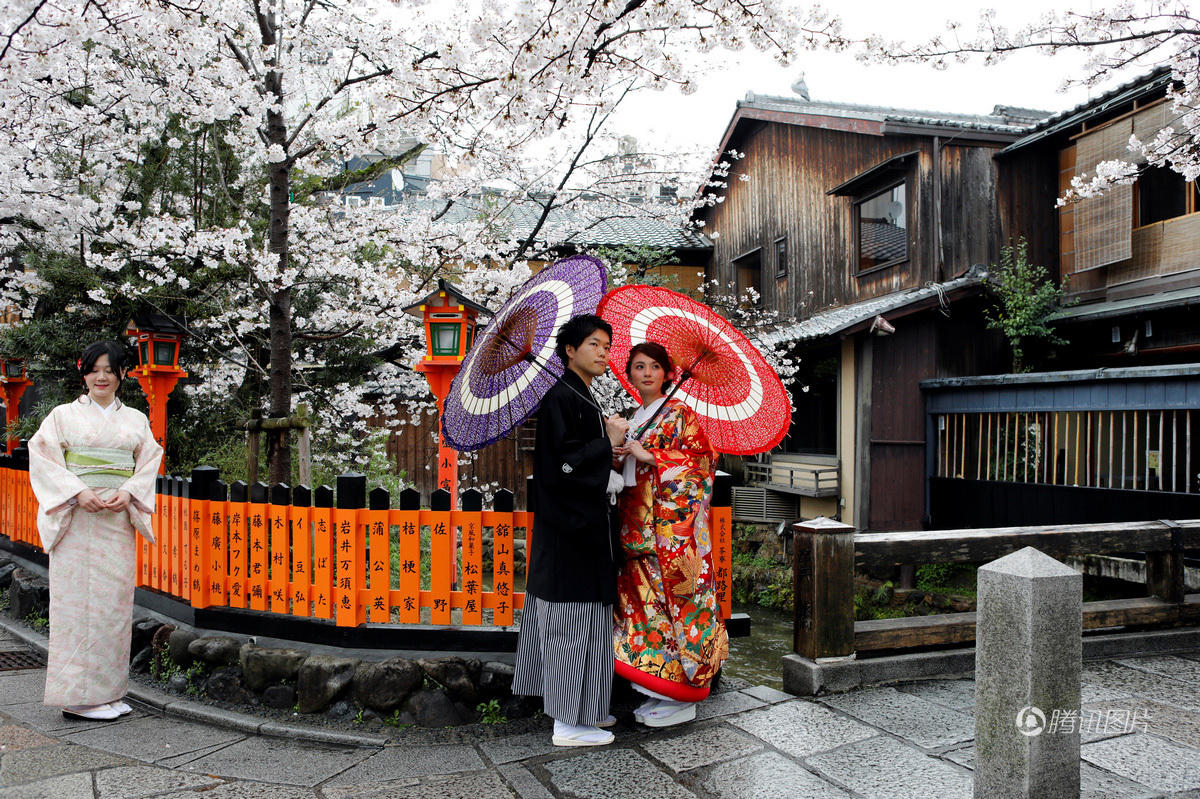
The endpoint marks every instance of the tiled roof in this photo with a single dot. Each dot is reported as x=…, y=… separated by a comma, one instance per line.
x=835, y=320
x=586, y=224
x=1004, y=119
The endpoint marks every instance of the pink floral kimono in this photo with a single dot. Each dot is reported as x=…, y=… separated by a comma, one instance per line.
x=93, y=556
x=668, y=636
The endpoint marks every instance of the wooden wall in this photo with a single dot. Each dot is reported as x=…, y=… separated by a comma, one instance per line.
x=790, y=169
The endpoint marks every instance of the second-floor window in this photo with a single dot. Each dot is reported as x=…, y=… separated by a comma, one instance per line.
x=882, y=223
x=1160, y=194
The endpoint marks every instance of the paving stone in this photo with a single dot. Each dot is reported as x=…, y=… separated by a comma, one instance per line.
x=1147, y=760
x=726, y=704
x=481, y=785
x=1090, y=693
x=1171, y=666
x=884, y=768
x=19, y=687
x=1095, y=783
x=153, y=738
x=954, y=694
x=132, y=782
x=51, y=719
x=767, y=694
x=398, y=762
x=68, y=786
x=1140, y=683
x=280, y=760
x=518, y=747
x=611, y=774
x=523, y=782
x=924, y=723
x=701, y=748
x=800, y=728
x=16, y=736
x=1143, y=715
x=247, y=790
x=182, y=760
x=28, y=765
x=963, y=757
x=768, y=775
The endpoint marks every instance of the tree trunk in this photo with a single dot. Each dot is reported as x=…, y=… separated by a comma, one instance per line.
x=280, y=315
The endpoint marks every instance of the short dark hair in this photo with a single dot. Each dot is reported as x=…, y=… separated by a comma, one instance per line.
x=656, y=351
x=576, y=330
x=118, y=356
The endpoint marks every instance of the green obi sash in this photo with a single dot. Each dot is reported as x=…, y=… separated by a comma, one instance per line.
x=99, y=467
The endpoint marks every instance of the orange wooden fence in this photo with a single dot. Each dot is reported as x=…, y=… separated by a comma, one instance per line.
x=350, y=565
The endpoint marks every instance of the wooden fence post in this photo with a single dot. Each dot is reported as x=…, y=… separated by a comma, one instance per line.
x=823, y=574
x=1164, y=570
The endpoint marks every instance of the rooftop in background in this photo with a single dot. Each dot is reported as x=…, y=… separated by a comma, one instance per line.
x=586, y=224
x=850, y=318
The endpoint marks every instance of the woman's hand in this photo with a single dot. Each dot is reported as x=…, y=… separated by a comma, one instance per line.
x=119, y=502
x=88, y=500
x=640, y=453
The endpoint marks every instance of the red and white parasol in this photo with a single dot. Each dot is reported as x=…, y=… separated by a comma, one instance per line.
x=743, y=406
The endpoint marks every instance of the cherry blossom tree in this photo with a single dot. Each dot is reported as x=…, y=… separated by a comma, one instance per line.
x=1121, y=39
x=179, y=155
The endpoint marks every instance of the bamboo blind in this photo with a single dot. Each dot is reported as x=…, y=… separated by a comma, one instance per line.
x=1103, y=224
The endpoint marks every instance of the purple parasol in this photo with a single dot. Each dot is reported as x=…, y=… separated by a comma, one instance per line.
x=512, y=364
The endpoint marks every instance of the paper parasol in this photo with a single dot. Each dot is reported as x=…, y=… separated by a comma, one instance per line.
x=742, y=405
x=512, y=363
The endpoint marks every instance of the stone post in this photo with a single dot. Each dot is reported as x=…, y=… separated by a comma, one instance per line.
x=1028, y=654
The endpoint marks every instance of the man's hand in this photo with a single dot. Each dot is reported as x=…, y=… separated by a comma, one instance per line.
x=88, y=500
x=616, y=427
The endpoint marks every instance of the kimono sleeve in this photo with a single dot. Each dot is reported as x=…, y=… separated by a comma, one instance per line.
x=141, y=486
x=683, y=477
x=54, y=485
x=573, y=460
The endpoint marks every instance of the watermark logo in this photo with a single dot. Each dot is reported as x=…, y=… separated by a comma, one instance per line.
x=1031, y=721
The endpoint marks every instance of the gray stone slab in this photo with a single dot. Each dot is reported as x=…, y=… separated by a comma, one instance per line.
x=801, y=728
x=68, y=786
x=954, y=694
x=154, y=738
x=1090, y=693
x=523, y=782
x=51, y=719
x=18, y=736
x=612, y=774
x=400, y=762
x=306, y=732
x=1172, y=666
x=768, y=775
x=19, y=687
x=924, y=723
x=277, y=760
x=247, y=790
x=134, y=782
x=480, y=785
x=767, y=694
x=182, y=761
x=701, y=747
x=207, y=714
x=1140, y=683
x=963, y=757
x=1095, y=783
x=884, y=768
x=518, y=747
x=727, y=704
x=50, y=761
x=1147, y=760
x=1165, y=721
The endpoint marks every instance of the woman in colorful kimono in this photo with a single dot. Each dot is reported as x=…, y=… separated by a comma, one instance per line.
x=92, y=465
x=669, y=639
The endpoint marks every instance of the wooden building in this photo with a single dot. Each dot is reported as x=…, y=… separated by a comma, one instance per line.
x=867, y=229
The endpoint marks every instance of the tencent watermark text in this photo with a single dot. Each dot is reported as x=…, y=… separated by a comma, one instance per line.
x=1032, y=721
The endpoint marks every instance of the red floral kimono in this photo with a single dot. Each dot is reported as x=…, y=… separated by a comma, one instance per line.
x=668, y=634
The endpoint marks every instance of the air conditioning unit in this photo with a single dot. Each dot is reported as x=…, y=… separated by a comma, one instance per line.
x=758, y=504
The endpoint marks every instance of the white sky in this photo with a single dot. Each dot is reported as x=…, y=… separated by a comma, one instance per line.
x=1029, y=80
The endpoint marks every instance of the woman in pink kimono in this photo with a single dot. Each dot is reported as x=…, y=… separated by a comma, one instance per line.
x=669, y=639
x=92, y=465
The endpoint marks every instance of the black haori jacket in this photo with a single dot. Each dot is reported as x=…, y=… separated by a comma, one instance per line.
x=572, y=558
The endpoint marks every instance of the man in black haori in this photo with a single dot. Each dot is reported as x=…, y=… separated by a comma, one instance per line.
x=565, y=650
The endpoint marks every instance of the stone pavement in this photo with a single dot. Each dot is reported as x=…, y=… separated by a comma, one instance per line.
x=1141, y=740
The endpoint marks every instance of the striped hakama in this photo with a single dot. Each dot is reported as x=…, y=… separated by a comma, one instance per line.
x=565, y=656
